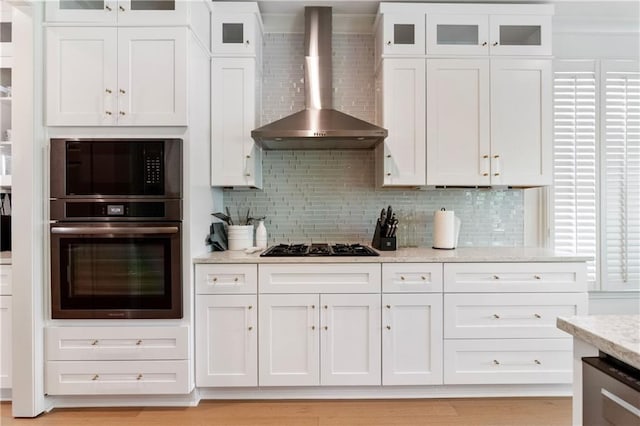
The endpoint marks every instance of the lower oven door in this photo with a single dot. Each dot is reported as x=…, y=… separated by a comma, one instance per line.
x=116, y=270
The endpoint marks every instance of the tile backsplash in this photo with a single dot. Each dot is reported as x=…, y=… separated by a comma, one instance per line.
x=330, y=195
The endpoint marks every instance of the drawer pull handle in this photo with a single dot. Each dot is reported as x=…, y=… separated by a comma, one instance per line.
x=139, y=342
x=122, y=113
x=423, y=278
x=388, y=327
x=250, y=328
x=496, y=362
x=235, y=279
x=313, y=327
x=250, y=307
x=95, y=377
x=496, y=316
x=484, y=44
x=495, y=277
x=108, y=91
x=495, y=43
x=537, y=362
x=401, y=277
x=537, y=316
x=537, y=277
x=139, y=377
x=108, y=112
x=215, y=279
x=95, y=342
x=123, y=92
x=388, y=306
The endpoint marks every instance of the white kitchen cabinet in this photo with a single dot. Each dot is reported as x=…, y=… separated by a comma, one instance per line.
x=6, y=280
x=123, y=12
x=507, y=361
x=401, y=159
x=411, y=339
x=116, y=360
x=106, y=76
x=310, y=339
x=236, y=29
x=412, y=277
x=401, y=33
x=289, y=340
x=226, y=279
x=483, y=34
x=350, y=339
x=226, y=340
x=5, y=342
x=235, y=98
x=319, y=278
x=489, y=122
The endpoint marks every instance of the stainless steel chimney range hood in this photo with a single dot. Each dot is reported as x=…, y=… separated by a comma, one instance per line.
x=318, y=126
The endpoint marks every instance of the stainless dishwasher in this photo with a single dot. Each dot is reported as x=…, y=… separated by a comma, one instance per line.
x=610, y=392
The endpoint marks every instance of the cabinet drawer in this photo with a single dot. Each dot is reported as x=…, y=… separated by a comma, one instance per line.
x=411, y=277
x=116, y=377
x=116, y=343
x=492, y=361
x=5, y=280
x=514, y=277
x=529, y=315
x=320, y=278
x=225, y=279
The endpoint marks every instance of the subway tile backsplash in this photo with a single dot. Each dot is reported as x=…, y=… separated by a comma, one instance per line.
x=330, y=195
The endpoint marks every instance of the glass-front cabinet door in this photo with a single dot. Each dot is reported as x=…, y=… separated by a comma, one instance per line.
x=457, y=34
x=234, y=33
x=127, y=12
x=403, y=34
x=520, y=34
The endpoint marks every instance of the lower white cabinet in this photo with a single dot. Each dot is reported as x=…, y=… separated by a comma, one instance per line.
x=310, y=339
x=507, y=361
x=117, y=378
x=5, y=341
x=226, y=340
x=411, y=339
x=116, y=360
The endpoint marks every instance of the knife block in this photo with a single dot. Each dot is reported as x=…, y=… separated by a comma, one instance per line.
x=383, y=243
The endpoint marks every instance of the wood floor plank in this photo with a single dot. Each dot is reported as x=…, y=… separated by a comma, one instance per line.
x=400, y=412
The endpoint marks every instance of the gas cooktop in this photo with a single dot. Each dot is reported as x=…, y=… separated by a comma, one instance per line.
x=317, y=249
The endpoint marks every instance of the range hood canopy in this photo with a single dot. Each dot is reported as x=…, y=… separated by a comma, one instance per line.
x=318, y=126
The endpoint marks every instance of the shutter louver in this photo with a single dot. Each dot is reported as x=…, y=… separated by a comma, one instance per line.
x=574, y=161
x=621, y=175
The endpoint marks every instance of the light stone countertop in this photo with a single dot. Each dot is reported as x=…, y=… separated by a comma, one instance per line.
x=616, y=335
x=407, y=255
x=5, y=258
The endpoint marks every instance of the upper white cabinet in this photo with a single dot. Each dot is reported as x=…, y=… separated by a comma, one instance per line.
x=400, y=32
x=489, y=122
x=479, y=34
x=401, y=159
x=106, y=76
x=122, y=12
x=236, y=34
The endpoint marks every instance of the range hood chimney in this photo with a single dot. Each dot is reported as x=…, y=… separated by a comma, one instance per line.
x=318, y=126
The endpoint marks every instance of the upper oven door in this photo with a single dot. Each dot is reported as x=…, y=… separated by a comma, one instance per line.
x=116, y=270
x=108, y=168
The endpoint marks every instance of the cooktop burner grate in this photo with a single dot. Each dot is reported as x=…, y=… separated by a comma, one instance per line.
x=318, y=249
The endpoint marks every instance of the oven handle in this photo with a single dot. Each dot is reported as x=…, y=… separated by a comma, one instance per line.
x=114, y=230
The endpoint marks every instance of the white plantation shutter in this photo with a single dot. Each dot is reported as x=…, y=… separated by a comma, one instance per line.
x=620, y=153
x=575, y=160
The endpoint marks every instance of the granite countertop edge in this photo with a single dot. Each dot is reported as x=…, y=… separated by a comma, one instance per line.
x=615, y=335
x=408, y=255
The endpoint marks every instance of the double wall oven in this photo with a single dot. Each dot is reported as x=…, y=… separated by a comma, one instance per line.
x=116, y=243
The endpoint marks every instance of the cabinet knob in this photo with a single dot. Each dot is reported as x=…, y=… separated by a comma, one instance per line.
x=496, y=156
x=250, y=328
x=121, y=8
x=95, y=342
x=388, y=174
x=247, y=174
x=108, y=112
x=313, y=327
x=485, y=156
x=122, y=113
x=95, y=377
x=389, y=43
x=401, y=277
x=423, y=278
x=235, y=279
x=215, y=279
x=496, y=362
x=537, y=277
x=248, y=156
x=139, y=377
x=496, y=316
x=484, y=44
x=388, y=155
x=495, y=277
x=537, y=362
x=496, y=174
x=326, y=328
x=537, y=316
x=485, y=174
x=495, y=43
x=108, y=90
x=326, y=306
x=106, y=6
x=388, y=306
x=313, y=306
x=122, y=92
x=250, y=307
x=247, y=42
x=388, y=327
x=139, y=342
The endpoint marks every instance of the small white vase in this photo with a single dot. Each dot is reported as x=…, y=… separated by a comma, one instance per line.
x=261, y=235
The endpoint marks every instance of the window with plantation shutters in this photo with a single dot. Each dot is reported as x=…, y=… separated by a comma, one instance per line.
x=575, y=186
x=620, y=175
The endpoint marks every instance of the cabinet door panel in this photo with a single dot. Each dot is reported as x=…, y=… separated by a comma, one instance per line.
x=5, y=341
x=233, y=117
x=289, y=340
x=520, y=122
x=458, y=144
x=146, y=12
x=404, y=117
x=227, y=340
x=81, y=76
x=412, y=339
x=234, y=34
x=457, y=34
x=350, y=343
x=152, y=76
x=403, y=34
x=520, y=34
x=86, y=11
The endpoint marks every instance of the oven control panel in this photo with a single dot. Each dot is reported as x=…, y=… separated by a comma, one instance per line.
x=153, y=168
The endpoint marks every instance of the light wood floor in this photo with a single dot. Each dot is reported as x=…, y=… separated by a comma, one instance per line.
x=476, y=412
